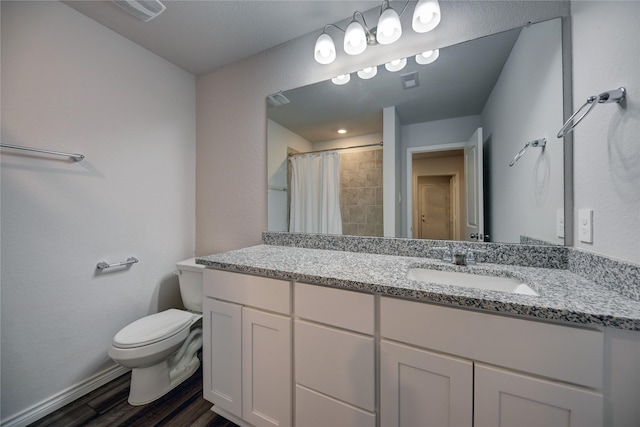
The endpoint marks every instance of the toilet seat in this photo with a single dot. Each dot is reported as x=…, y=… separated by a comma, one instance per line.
x=153, y=328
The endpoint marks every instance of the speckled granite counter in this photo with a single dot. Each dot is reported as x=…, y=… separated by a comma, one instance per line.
x=564, y=296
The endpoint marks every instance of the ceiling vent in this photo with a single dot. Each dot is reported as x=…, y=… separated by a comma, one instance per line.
x=277, y=99
x=410, y=80
x=144, y=10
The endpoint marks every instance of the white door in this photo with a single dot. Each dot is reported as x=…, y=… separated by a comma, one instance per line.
x=474, y=188
x=434, y=207
x=420, y=388
x=508, y=399
x=221, y=350
x=266, y=368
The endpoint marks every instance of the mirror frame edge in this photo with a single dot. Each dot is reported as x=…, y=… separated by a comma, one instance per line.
x=567, y=96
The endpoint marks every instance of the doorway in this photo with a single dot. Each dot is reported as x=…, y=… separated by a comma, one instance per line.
x=469, y=185
x=437, y=207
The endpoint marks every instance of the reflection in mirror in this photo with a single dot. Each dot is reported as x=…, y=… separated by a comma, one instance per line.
x=449, y=127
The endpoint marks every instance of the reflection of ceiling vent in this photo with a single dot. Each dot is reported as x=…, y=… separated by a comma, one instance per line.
x=410, y=80
x=144, y=10
x=277, y=99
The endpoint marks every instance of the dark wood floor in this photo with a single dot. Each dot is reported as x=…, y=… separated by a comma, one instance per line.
x=108, y=406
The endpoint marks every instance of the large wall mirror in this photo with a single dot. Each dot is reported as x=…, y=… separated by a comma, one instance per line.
x=469, y=142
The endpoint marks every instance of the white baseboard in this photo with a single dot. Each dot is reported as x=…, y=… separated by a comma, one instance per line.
x=57, y=401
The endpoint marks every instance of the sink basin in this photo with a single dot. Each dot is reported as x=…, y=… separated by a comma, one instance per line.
x=468, y=280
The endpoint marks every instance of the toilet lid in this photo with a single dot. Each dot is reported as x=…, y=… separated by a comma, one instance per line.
x=153, y=328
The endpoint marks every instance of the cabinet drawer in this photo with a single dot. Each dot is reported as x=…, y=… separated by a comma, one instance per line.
x=336, y=307
x=316, y=410
x=571, y=354
x=260, y=292
x=335, y=362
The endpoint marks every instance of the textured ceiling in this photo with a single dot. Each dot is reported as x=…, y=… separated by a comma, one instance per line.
x=200, y=36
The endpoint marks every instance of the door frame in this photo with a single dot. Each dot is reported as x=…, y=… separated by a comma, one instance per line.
x=409, y=192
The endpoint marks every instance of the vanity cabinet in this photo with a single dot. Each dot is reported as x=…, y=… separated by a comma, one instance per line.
x=444, y=366
x=247, y=348
x=286, y=353
x=334, y=354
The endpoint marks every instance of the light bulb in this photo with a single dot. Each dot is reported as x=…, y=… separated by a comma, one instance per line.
x=396, y=65
x=342, y=79
x=389, y=28
x=426, y=16
x=368, y=73
x=325, y=49
x=355, y=39
x=427, y=57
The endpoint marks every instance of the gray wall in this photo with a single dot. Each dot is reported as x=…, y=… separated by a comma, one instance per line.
x=607, y=142
x=70, y=84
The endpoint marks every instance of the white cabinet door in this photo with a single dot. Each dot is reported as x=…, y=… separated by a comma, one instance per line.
x=506, y=399
x=420, y=388
x=221, y=351
x=266, y=368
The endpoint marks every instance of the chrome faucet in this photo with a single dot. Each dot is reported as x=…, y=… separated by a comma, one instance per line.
x=459, y=257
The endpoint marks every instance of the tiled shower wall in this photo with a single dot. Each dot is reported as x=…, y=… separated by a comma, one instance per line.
x=361, y=193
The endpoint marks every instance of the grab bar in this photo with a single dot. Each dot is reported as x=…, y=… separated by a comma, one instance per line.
x=536, y=143
x=616, y=95
x=75, y=156
x=102, y=265
x=272, y=187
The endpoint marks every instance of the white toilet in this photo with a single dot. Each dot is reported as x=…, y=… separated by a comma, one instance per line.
x=161, y=349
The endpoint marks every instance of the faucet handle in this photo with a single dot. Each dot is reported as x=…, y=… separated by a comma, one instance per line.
x=470, y=258
x=447, y=256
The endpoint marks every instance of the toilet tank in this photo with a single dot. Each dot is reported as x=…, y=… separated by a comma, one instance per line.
x=190, y=276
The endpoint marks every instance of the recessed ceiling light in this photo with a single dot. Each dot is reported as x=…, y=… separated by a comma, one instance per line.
x=341, y=131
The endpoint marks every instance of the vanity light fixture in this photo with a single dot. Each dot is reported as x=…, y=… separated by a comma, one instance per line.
x=368, y=73
x=342, y=79
x=426, y=16
x=358, y=35
x=427, y=57
x=325, y=50
x=389, y=27
x=396, y=65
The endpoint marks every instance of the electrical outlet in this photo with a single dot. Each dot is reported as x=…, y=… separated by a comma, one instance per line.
x=585, y=225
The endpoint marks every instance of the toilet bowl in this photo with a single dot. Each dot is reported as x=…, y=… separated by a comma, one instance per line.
x=162, y=349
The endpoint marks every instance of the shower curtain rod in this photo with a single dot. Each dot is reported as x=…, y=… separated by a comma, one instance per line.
x=336, y=149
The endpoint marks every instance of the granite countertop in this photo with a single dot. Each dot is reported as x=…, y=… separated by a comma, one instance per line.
x=563, y=296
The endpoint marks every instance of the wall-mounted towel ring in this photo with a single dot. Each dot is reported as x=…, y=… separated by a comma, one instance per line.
x=610, y=96
x=542, y=142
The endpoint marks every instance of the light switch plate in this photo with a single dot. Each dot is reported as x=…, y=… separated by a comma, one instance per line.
x=585, y=225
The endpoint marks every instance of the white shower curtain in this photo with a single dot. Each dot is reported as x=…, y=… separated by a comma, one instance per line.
x=315, y=193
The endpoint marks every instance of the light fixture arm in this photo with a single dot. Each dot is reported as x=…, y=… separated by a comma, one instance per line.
x=385, y=4
x=404, y=8
x=371, y=33
x=324, y=29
